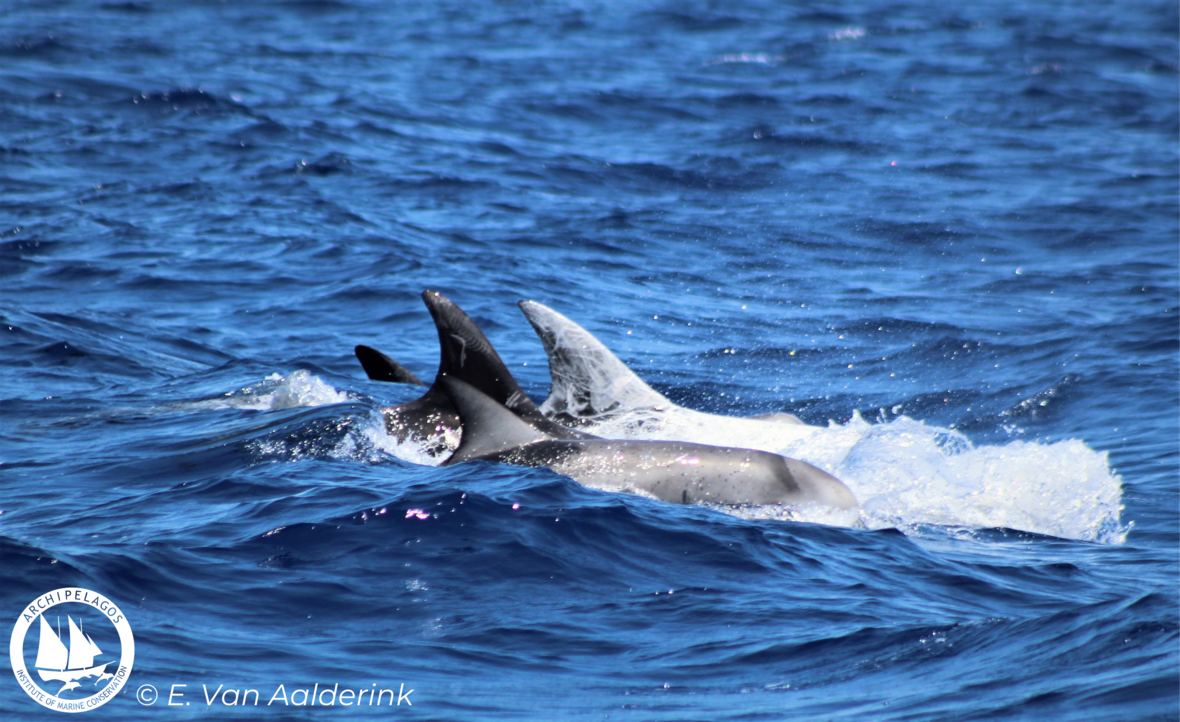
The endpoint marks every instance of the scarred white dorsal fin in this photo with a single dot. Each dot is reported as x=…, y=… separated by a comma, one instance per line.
x=488, y=427
x=588, y=380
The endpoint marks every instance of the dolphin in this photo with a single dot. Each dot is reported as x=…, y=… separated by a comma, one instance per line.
x=592, y=389
x=465, y=354
x=677, y=472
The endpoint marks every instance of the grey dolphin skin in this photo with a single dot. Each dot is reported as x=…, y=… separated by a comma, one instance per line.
x=677, y=472
x=464, y=354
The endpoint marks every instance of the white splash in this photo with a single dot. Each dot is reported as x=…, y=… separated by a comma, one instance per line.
x=908, y=473
x=362, y=439
x=297, y=389
x=429, y=453
x=367, y=440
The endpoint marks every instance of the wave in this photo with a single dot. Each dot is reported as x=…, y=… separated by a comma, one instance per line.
x=907, y=474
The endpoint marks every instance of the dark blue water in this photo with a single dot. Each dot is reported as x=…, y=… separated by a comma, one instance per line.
x=950, y=233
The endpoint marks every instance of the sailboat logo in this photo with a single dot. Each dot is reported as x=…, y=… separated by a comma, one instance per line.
x=83, y=672
x=57, y=663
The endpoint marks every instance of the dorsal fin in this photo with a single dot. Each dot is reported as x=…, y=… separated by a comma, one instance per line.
x=488, y=427
x=380, y=367
x=466, y=354
x=588, y=380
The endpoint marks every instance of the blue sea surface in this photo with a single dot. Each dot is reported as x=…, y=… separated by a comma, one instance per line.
x=948, y=234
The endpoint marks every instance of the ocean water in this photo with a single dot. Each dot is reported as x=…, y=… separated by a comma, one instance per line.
x=947, y=236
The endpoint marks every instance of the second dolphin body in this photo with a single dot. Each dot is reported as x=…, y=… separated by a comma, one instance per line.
x=671, y=471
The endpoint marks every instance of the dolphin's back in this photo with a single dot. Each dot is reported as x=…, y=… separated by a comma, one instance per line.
x=489, y=428
x=684, y=473
x=674, y=471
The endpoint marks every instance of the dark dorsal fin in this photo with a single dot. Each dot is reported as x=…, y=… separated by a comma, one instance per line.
x=488, y=427
x=380, y=367
x=466, y=354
